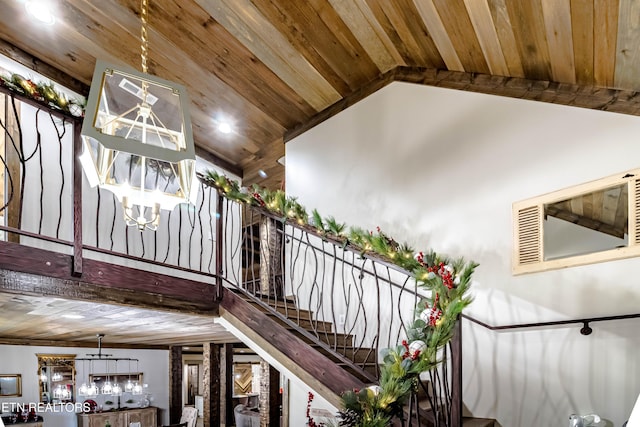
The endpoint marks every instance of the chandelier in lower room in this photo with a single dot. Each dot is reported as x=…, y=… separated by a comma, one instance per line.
x=109, y=379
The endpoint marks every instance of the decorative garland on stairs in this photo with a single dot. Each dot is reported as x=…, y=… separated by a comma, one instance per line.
x=447, y=282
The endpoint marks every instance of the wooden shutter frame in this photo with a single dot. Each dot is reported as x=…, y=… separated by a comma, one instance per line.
x=630, y=178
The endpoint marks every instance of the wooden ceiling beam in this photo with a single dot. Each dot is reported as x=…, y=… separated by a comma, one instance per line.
x=20, y=56
x=574, y=95
x=79, y=344
x=218, y=161
x=31, y=271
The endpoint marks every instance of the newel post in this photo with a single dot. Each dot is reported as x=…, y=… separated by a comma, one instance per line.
x=456, y=376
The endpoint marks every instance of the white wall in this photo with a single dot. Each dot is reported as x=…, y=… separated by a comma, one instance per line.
x=440, y=169
x=154, y=364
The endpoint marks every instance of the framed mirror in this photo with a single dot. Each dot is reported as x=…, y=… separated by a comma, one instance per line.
x=10, y=385
x=593, y=222
x=57, y=378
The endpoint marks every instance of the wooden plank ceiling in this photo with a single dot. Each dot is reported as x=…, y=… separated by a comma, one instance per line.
x=272, y=66
x=37, y=320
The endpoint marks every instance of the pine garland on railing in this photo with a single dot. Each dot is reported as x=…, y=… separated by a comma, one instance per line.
x=447, y=281
x=43, y=93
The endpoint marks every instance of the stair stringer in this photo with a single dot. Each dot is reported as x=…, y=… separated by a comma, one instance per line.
x=283, y=350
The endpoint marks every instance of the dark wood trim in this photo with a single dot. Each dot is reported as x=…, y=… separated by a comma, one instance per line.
x=317, y=366
x=274, y=396
x=175, y=384
x=77, y=200
x=456, y=375
x=226, y=384
x=78, y=344
x=341, y=105
x=218, y=161
x=9, y=50
x=35, y=271
x=592, y=97
x=219, y=247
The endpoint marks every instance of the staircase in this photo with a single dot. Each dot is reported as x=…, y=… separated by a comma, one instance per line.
x=288, y=320
x=302, y=324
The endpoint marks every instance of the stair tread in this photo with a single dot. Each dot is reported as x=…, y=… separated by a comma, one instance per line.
x=478, y=422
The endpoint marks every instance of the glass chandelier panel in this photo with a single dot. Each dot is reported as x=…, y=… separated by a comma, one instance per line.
x=137, y=143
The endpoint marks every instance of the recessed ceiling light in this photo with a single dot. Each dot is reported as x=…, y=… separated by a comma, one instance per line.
x=224, y=127
x=41, y=11
x=262, y=174
x=73, y=316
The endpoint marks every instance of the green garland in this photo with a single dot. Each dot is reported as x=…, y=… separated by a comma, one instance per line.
x=44, y=93
x=446, y=280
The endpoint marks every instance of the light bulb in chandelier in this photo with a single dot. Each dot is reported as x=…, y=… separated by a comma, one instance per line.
x=107, y=388
x=83, y=389
x=137, y=389
x=116, y=390
x=141, y=216
x=92, y=391
x=56, y=377
x=128, y=387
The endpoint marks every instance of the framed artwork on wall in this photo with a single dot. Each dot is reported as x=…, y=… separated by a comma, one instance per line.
x=10, y=385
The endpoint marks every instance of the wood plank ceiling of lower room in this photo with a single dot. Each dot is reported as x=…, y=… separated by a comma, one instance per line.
x=270, y=66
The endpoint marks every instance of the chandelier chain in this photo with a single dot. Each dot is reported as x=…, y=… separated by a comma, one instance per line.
x=144, y=38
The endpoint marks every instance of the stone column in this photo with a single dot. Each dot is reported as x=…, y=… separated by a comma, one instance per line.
x=211, y=382
x=269, y=395
x=271, y=280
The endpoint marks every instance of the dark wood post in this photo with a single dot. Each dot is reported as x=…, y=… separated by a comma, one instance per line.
x=456, y=376
x=211, y=382
x=175, y=384
x=219, y=246
x=274, y=396
x=77, y=199
x=226, y=383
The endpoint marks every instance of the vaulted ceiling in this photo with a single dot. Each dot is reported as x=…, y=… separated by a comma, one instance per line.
x=276, y=67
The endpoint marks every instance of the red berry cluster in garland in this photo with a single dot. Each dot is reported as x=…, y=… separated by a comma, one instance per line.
x=444, y=273
x=258, y=198
x=435, y=313
x=407, y=353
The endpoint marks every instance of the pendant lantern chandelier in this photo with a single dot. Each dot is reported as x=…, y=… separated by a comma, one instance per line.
x=108, y=388
x=137, y=139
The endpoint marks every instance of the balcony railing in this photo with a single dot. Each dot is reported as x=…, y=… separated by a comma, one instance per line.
x=47, y=202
